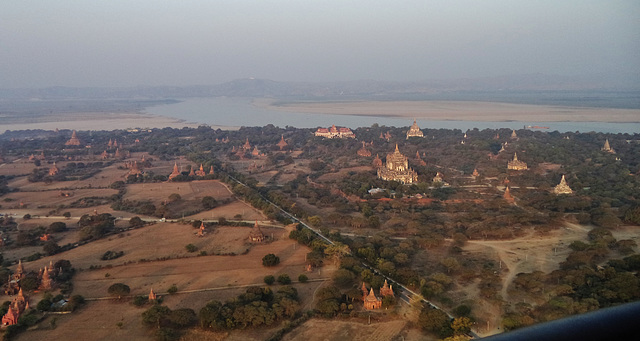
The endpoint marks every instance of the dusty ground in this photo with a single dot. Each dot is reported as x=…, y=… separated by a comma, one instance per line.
x=460, y=110
x=159, y=192
x=199, y=279
x=321, y=330
x=531, y=252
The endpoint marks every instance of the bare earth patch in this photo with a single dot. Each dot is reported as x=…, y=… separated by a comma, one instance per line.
x=321, y=330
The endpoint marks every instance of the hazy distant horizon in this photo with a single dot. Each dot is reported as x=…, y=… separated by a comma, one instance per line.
x=164, y=43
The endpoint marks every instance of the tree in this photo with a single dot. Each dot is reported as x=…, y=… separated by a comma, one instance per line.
x=156, y=315
x=191, y=248
x=174, y=197
x=451, y=264
x=51, y=248
x=269, y=279
x=209, y=202
x=172, y=289
x=435, y=321
x=119, y=290
x=284, y=279
x=337, y=251
x=56, y=227
x=66, y=215
x=315, y=221
x=302, y=278
x=461, y=325
x=135, y=222
x=270, y=260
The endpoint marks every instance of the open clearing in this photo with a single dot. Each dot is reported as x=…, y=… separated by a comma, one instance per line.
x=529, y=253
x=159, y=192
x=321, y=330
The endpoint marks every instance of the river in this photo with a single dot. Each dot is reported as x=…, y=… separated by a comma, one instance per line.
x=236, y=112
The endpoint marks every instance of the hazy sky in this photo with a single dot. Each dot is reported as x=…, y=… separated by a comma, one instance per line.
x=155, y=42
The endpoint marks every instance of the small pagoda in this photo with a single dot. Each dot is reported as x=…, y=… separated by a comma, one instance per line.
x=516, y=164
x=73, y=141
x=371, y=301
x=16, y=308
x=607, y=148
x=256, y=234
x=282, y=143
x=201, y=172
x=247, y=145
x=175, y=172
x=414, y=131
x=507, y=196
x=377, y=162
x=53, y=170
x=563, y=187
x=514, y=135
x=364, y=151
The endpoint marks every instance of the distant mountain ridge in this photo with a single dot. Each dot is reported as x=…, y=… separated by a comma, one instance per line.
x=250, y=87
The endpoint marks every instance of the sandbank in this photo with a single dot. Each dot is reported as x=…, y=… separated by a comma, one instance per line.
x=458, y=111
x=99, y=121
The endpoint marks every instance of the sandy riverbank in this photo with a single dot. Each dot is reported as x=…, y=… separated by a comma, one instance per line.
x=100, y=121
x=458, y=111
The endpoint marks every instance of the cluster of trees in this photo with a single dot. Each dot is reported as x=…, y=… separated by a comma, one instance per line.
x=581, y=284
x=168, y=323
x=256, y=307
x=95, y=226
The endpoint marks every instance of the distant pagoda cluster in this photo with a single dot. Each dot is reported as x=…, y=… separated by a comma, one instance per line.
x=335, y=132
x=516, y=164
x=193, y=173
x=414, y=131
x=397, y=169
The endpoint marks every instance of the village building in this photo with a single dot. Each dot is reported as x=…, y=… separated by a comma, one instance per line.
x=364, y=151
x=73, y=141
x=16, y=308
x=335, y=132
x=175, y=172
x=256, y=234
x=377, y=162
x=516, y=164
x=53, y=170
x=201, y=172
x=397, y=169
x=414, y=131
x=563, y=187
x=607, y=147
x=282, y=142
